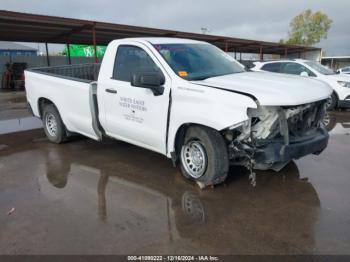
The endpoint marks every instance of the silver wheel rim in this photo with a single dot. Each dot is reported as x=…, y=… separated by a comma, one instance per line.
x=194, y=159
x=51, y=124
x=193, y=208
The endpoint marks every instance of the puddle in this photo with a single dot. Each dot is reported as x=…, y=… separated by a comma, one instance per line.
x=3, y=146
x=19, y=124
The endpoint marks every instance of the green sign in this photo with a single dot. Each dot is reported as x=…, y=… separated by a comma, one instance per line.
x=84, y=50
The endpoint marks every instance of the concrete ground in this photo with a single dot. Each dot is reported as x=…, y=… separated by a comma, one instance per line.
x=85, y=197
x=13, y=105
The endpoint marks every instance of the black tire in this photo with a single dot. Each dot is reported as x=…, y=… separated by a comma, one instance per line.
x=60, y=135
x=329, y=121
x=333, y=102
x=216, y=155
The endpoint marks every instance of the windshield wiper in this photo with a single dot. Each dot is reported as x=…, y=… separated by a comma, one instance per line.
x=206, y=77
x=200, y=78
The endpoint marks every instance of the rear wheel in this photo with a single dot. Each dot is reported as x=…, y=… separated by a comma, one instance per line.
x=332, y=102
x=329, y=121
x=204, y=156
x=53, y=125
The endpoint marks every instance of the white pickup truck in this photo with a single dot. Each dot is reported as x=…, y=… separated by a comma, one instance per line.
x=187, y=100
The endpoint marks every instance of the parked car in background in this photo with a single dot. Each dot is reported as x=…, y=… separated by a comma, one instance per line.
x=344, y=70
x=340, y=83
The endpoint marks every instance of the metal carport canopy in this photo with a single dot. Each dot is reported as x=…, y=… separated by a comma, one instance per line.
x=23, y=27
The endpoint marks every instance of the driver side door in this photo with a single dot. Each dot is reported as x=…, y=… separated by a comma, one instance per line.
x=135, y=114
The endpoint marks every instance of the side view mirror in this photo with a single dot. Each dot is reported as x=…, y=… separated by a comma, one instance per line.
x=304, y=73
x=151, y=80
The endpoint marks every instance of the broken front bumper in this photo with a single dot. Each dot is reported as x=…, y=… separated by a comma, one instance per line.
x=276, y=154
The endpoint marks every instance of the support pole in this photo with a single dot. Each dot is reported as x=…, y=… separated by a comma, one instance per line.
x=68, y=50
x=101, y=192
x=285, y=52
x=226, y=46
x=261, y=54
x=235, y=54
x=94, y=42
x=47, y=54
x=240, y=56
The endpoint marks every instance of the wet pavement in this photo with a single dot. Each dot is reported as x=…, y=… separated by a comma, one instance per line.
x=19, y=124
x=13, y=105
x=14, y=113
x=85, y=197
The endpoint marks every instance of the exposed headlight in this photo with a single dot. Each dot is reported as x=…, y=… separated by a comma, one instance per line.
x=344, y=84
x=243, y=124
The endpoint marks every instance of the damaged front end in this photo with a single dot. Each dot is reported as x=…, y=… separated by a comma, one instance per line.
x=274, y=135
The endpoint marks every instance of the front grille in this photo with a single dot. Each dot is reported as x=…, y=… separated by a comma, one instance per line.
x=285, y=124
x=307, y=119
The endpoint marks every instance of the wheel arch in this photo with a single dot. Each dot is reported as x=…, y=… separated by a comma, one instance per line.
x=42, y=101
x=179, y=138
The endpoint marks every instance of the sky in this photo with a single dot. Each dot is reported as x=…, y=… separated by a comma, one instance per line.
x=251, y=19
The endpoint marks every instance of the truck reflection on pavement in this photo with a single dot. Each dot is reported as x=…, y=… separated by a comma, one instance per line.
x=282, y=207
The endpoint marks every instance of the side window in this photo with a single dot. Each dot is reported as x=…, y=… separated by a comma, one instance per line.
x=132, y=59
x=295, y=69
x=272, y=67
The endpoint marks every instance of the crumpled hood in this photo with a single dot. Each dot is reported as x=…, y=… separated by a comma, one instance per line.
x=272, y=89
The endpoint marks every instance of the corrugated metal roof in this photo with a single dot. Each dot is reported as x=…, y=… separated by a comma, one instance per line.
x=4, y=45
x=23, y=27
x=336, y=57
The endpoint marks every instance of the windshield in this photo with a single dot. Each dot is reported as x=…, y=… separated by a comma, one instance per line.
x=198, y=61
x=320, y=68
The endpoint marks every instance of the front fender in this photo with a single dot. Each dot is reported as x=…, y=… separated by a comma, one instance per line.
x=215, y=108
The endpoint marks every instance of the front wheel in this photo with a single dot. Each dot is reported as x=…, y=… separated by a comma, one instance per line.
x=204, y=156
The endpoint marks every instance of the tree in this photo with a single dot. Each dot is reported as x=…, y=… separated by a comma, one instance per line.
x=308, y=28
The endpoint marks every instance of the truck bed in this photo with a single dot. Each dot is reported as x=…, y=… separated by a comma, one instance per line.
x=72, y=89
x=83, y=72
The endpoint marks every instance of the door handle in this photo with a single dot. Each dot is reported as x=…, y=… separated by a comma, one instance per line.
x=112, y=91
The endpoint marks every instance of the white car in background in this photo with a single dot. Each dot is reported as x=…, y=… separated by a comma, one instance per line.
x=344, y=70
x=340, y=83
